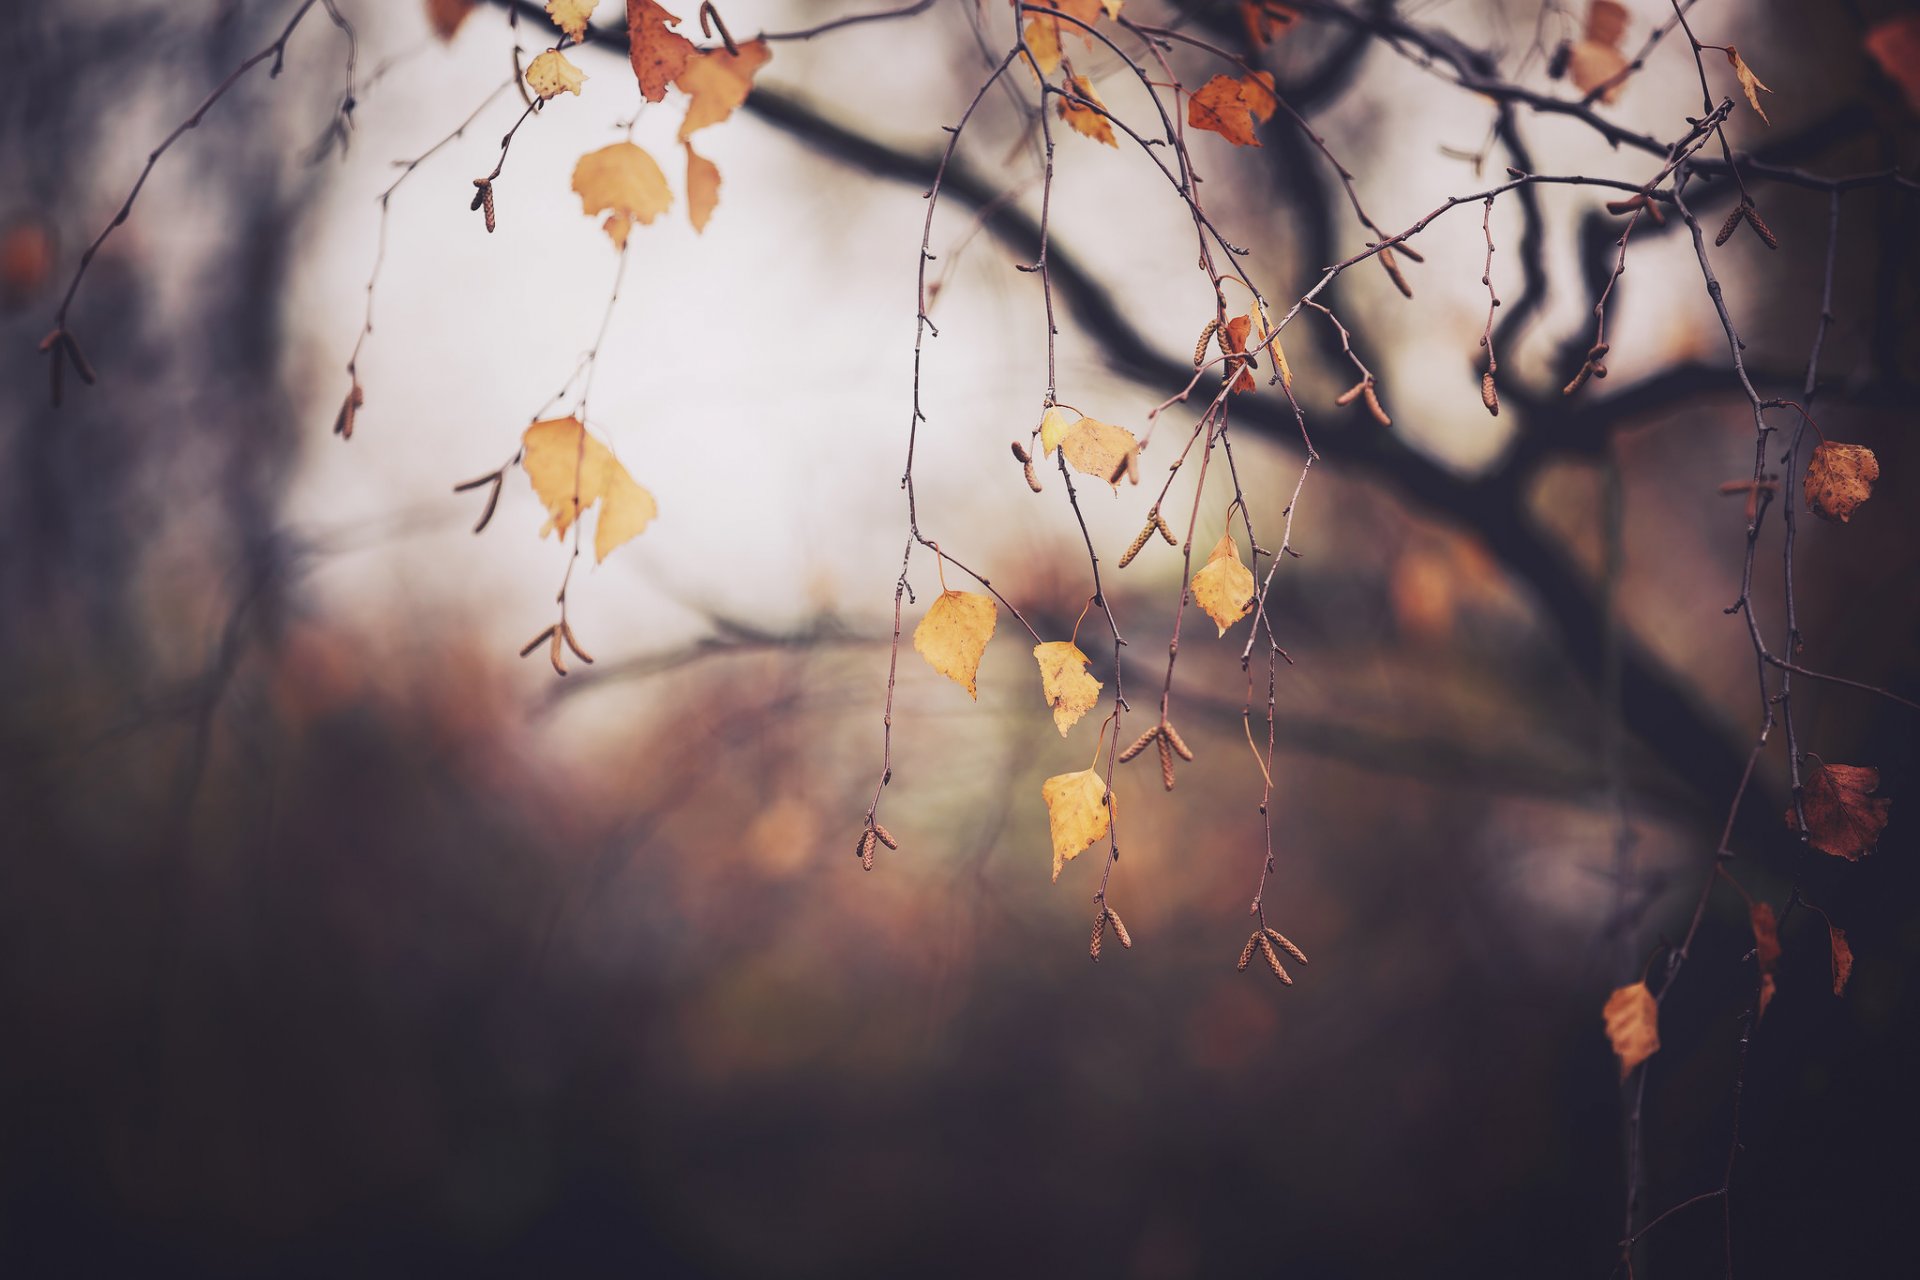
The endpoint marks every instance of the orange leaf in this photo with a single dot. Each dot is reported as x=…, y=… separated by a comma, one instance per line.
x=717, y=82
x=1265, y=19
x=1748, y=81
x=1839, y=478
x=624, y=180
x=658, y=54
x=1633, y=1024
x=1843, y=819
x=1895, y=45
x=1842, y=958
x=445, y=16
x=1221, y=107
x=1766, y=951
x=571, y=471
x=1043, y=39
x=703, y=188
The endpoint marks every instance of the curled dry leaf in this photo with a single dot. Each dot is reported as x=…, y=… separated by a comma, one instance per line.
x=1099, y=449
x=1085, y=120
x=954, y=634
x=1842, y=958
x=571, y=471
x=1224, y=586
x=1633, y=1024
x=572, y=16
x=657, y=53
x=703, y=188
x=551, y=74
x=1766, y=951
x=1064, y=681
x=1748, y=81
x=717, y=82
x=1079, y=813
x=623, y=180
x=1843, y=818
x=1839, y=478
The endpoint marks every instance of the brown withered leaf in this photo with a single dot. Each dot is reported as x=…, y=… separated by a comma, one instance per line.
x=1842, y=958
x=954, y=634
x=1221, y=107
x=1085, y=120
x=1895, y=45
x=717, y=82
x=1633, y=1025
x=1839, y=478
x=1843, y=818
x=445, y=16
x=1748, y=81
x=1766, y=951
x=658, y=53
x=1595, y=59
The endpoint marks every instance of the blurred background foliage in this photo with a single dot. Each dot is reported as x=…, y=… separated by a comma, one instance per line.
x=336, y=940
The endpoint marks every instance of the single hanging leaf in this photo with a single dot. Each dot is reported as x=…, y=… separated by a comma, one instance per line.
x=954, y=635
x=658, y=53
x=1079, y=814
x=1748, y=81
x=1265, y=19
x=571, y=471
x=551, y=74
x=1085, y=120
x=1234, y=339
x=1257, y=92
x=1596, y=59
x=1053, y=428
x=1224, y=586
x=1043, y=38
x=1895, y=45
x=1069, y=690
x=625, y=181
x=1220, y=107
x=572, y=16
x=1839, y=478
x=1842, y=958
x=1099, y=449
x=703, y=188
x=717, y=82
x=1633, y=1024
x=1766, y=951
x=1843, y=818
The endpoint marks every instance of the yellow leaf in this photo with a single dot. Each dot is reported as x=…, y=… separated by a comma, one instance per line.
x=1112, y=7
x=703, y=188
x=1633, y=1024
x=954, y=634
x=1069, y=690
x=1079, y=814
x=717, y=82
x=551, y=74
x=1224, y=586
x=571, y=16
x=1748, y=81
x=1053, y=428
x=1839, y=478
x=1221, y=107
x=1043, y=38
x=571, y=471
x=1085, y=120
x=657, y=54
x=1258, y=338
x=1100, y=449
x=624, y=180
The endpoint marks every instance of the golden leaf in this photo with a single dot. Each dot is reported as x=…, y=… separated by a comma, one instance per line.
x=571, y=16
x=717, y=82
x=1256, y=91
x=625, y=181
x=1053, y=428
x=1843, y=818
x=1748, y=81
x=1043, y=38
x=1064, y=681
x=1839, y=478
x=954, y=634
x=1099, y=449
x=658, y=55
x=1079, y=814
x=1633, y=1024
x=1224, y=586
x=571, y=471
x=703, y=188
x=1085, y=120
x=1220, y=107
x=551, y=74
